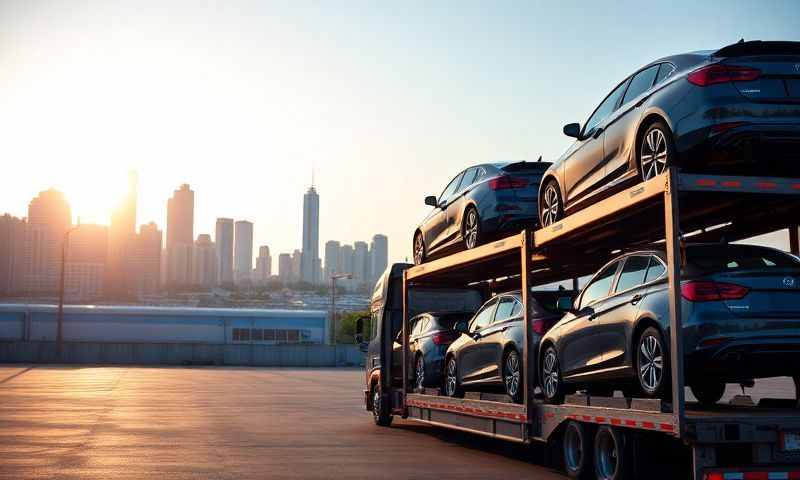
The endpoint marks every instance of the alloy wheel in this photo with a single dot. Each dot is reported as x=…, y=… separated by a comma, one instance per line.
x=651, y=363
x=420, y=371
x=550, y=374
x=450, y=381
x=376, y=404
x=419, y=249
x=550, y=206
x=471, y=229
x=512, y=376
x=654, y=154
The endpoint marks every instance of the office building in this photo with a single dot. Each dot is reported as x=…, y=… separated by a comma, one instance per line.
x=263, y=265
x=121, y=238
x=49, y=219
x=310, y=260
x=145, y=260
x=224, y=242
x=12, y=253
x=285, y=268
x=204, y=265
x=379, y=256
x=332, y=254
x=243, y=251
x=85, y=267
x=360, y=263
x=180, y=236
x=297, y=257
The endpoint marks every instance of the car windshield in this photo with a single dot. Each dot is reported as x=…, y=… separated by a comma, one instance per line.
x=545, y=302
x=725, y=258
x=449, y=321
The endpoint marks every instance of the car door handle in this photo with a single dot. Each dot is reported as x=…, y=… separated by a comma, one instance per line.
x=636, y=299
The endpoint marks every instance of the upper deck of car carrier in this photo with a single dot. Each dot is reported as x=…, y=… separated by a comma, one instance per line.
x=660, y=213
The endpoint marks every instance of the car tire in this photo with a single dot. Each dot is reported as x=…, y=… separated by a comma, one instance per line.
x=380, y=411
x=655, y=151
x=419, y=249
x=452, y=387
x=612, y=459
x=708, y=392
x=551, y=206
x=651, y=362
x=552, y=383
x=419, y=372
x=577, y=450
x=513, y=379
x=471, y=228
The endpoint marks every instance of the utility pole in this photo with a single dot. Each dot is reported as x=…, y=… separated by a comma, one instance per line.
x=60, y=322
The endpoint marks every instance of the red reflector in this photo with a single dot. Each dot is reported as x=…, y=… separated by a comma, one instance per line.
x=714, y=476
x=716, y=73
x=711, y=342
x=756, y=476
x=724, y=127
x=442, y=338
x=766, y=185
x=539, y=327
x=794, y=475
x=732, y=184
x=705, y=182
x=796, y=186
x=703, y=291
x=506, y=182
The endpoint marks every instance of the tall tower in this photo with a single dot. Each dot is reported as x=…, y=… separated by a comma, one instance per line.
x=121, y=239
x=360, y=263
x=49, y=218
x=180, y=236
x=224, y=242
x=309, y=270
x=243, y=253
x=332, y=254
x=204, y=265
x=379, y=256
x=263, y=265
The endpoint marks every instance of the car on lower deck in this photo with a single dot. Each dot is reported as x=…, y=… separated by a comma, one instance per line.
x=489, y=351
x=480, y=203
x=741, y=321
x=429, y=337
x=733, y=111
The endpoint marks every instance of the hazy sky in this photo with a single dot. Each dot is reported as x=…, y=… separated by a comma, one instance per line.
x=387, y=101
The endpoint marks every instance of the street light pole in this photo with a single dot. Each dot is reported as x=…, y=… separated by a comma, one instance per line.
x=60, y=318
x=333, y=300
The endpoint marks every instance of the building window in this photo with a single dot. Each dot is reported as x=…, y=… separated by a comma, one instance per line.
x=235, y=336
x=244, y=334
x=257, y=334
x=280, y=336
x=269, y=335
x=291, y=336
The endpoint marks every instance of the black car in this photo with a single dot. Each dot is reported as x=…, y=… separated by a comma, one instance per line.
x=489, y=352
x=733, y=111
x=479, y=203
x=431, y=333
x=741, y=321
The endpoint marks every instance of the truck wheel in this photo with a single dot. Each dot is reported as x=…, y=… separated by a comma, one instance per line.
x=708, y=392
x=577, y=451
x=380, y=411
x=611, y=459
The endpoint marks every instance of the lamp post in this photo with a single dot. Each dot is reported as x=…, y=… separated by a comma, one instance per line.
x=60, y=318
x=333, y=299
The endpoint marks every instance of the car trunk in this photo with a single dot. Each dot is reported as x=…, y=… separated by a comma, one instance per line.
x=771, y=294
x=779, y=67
x=532, y=172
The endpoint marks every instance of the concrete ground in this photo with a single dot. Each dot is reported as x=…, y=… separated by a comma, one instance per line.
x=227, y=423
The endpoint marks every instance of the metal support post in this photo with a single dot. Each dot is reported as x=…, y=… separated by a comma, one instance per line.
x=674, y=263
x=529, y=353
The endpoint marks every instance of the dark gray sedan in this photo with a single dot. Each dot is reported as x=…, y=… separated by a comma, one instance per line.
x=741, y=311
x=733, y=111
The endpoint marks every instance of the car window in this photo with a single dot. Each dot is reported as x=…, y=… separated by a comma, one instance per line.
x=450, y=189
x=726, y=258
x=600, y=287
x=604, y=109
x=504, y=309
x=517, y=309
x=640, y=83
x=633, y=272
x=664, y=71
x=469, y=178
x=655, y=270
x=484, y=317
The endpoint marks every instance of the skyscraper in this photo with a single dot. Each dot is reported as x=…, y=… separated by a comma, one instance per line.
x=332, y=254
x=379, y=256
x=49, y=219
x=85, y=266
x=204, y=268
x=243, y=251
x=360, y=263
x=12, y=253
x=297, y=256
x=180, y=236
x=263, y=265
x=145, y=260
x=285, y=267
x=121, y=238
x=224, y=242
x=310, y=260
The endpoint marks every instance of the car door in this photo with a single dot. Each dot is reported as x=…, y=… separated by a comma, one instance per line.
x=584, y=166
x=457, y=204
x=468, y=358
x=619, y=141
x=580, y=351
x=616, y=314
x=435, y=230
x=488, y=347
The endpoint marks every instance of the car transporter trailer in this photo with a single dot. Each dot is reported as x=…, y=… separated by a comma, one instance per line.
x=763, y=439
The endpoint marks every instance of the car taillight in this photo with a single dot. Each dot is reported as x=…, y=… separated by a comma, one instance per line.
x=712, y=291
x=539, y=327
x=442, y=338
x=713, y=74
x=505, y=182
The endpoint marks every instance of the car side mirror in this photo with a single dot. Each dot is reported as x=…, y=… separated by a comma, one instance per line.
x=432, y=201
x=572, y=130
x=565, y=304
x=462, y=327
x=359, y=335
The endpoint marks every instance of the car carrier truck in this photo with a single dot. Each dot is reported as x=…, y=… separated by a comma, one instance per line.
x=597, y=437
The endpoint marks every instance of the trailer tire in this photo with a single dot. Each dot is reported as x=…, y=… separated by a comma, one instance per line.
x=708, y=392
x=577, y=450
x=611, y=454
x=380, y=411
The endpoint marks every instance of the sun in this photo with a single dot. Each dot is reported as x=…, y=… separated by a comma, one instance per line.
x=94, y=195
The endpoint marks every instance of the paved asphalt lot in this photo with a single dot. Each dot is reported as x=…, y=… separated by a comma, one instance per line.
x=227, y=423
